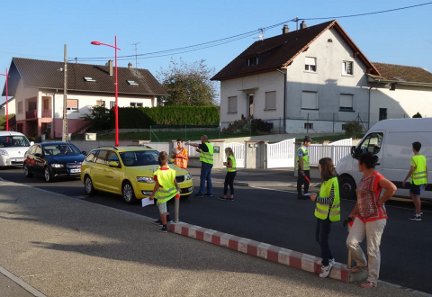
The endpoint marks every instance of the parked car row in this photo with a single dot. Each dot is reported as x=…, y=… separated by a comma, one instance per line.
x=126, y=171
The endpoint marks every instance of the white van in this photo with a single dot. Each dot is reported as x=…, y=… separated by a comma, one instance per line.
x=13, y=146
x=391, y=141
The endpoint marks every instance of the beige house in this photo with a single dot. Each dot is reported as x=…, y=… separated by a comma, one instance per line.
x=37, y=87
x=315, y=80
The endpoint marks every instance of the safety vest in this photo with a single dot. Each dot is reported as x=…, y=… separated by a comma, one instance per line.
x=306, y=164
x=332, y=212
x=419, y=176
x=207, y=157
x=233, y=167
x=167, y=189
x=181, y=158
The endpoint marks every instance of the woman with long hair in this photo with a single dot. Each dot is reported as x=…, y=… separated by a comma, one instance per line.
x=327, y=211
x=369, y=218
x=231, y=166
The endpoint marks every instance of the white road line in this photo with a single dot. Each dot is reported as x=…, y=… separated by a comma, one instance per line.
x=21, y=283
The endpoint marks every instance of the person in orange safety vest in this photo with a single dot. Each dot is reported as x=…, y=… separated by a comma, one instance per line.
x=180, y=155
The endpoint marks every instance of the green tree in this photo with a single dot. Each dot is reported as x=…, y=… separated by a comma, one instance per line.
x=101, y=118
x=188, y=84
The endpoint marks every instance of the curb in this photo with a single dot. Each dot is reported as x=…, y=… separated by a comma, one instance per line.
x=261, y=250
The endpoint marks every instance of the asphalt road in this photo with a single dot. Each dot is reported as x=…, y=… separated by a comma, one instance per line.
x=277, y=217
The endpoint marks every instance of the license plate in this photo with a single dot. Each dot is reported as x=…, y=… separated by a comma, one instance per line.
x=77, y=170
x=17, y=159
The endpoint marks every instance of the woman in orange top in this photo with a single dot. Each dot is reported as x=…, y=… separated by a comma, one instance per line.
x=181, y=155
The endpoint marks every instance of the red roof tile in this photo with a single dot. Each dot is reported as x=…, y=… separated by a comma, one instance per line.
x=401, y=73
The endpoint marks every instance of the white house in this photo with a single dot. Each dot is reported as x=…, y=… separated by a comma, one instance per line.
x=315, y=80
x=37, y=87
x=11, y=107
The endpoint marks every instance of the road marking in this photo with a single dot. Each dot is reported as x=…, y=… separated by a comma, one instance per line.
x=21, y=283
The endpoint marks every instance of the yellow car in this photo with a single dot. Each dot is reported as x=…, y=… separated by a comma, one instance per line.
x=127, y=171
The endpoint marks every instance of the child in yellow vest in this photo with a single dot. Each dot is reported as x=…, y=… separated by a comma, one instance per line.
x=166, y=187
x=327, y=211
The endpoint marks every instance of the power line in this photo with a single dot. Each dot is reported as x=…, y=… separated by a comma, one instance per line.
x=225, y=40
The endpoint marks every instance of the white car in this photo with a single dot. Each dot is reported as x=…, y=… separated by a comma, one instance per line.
x=13, y=146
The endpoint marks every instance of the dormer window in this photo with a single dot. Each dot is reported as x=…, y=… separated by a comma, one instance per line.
x=310, y=64
x=253, y=61
x=89, y=79
x=132, y=82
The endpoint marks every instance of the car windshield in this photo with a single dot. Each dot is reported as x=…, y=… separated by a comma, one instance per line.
x=140, y=158
x=60, y=149
x=14, y=141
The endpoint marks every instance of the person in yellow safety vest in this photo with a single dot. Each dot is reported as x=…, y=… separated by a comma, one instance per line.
x=231, y=166
x=206, y=151
x=327, y=211
x=166, y=187
x=180, y=155
x=303, y=165
x=419, y=179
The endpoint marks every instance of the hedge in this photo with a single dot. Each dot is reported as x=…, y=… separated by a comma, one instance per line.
x=144, y=117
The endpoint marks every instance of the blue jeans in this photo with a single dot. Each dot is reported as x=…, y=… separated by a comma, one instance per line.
x=205, y=176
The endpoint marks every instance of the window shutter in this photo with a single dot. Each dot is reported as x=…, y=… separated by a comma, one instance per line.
x=232, y=104
x=310, y=61
x=346, y=100
x=309, y=100
x=270, y=100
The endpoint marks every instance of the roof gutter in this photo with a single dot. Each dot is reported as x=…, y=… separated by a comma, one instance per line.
x=372, y=78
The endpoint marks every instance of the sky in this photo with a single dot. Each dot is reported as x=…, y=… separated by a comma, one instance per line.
x=39, y=29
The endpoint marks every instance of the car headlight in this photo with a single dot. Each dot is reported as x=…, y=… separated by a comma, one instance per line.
x=4, y=153
x=56, y=165
x=145, y=179
x=188, y=176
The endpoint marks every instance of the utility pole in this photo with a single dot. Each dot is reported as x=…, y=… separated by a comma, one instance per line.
x=65, y=136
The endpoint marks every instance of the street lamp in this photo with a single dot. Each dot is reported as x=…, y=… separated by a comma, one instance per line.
x=116, y=85
x=7, y=111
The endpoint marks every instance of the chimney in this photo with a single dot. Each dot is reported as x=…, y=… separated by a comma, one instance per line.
x=303, y=25
x=130, y=65
x=285, y=29
x=110, y=65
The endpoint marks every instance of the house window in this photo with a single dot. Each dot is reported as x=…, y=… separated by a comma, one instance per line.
x=347, y=68
x=308, y=125
x=309, y=100
x=382, y=114
x=252, y=61
x=112, y=104
x=310, y=64
x=100, y=103
x=270, y=100
x=132, y=82
x=139, y=104
x=346, y=102
x=232, y=104
x=45, y=103
x=132, y=104
x=20, y=107
x=72, y=104
x=89, y=79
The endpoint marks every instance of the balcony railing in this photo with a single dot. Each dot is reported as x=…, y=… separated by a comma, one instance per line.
x=31, y=114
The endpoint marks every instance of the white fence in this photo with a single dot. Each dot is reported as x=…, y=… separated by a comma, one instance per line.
x=336, y=152
x=281, y=154
x=239, y=150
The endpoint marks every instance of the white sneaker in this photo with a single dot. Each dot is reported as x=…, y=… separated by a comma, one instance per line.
x=325, y=270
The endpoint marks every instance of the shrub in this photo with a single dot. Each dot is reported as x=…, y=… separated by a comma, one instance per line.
x=353, y=129
x=247, y=125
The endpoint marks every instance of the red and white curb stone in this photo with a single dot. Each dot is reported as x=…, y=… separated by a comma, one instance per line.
x=261, y=250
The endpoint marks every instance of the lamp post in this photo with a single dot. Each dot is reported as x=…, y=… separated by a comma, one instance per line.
x=116, y=85
x=6, y=74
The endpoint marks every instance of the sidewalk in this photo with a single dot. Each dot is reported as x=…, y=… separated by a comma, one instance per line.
x=64, y=247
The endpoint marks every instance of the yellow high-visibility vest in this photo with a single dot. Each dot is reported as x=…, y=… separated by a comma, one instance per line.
x=167, y=189
x=323, y=211
x=419, y=176
x=233, y=167
x=305, y=152
x=207, y=157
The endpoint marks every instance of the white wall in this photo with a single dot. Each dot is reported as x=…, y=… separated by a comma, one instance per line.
x=11, y=107
x=401, y=101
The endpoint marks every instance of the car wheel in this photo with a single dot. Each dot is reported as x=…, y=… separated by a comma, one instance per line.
x=347, y=187
x=128, y=193
x=88, y=186
x=27, y=172
x=48, y=174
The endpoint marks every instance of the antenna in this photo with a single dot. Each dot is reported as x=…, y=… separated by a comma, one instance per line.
x=261, y=34
x=136, y=53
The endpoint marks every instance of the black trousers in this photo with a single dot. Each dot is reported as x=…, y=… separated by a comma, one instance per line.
x=302, y=181
x=229, y=182
x=322, y=237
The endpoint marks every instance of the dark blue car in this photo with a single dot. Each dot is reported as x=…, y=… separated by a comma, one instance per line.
x=53, y=159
